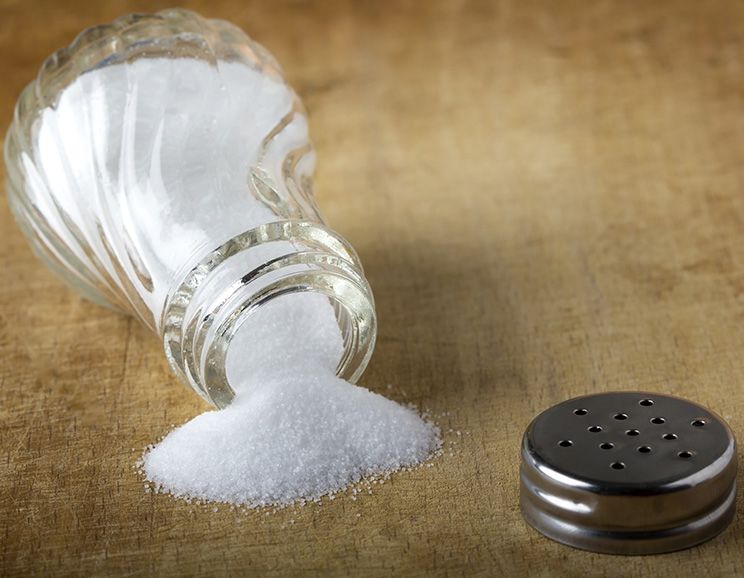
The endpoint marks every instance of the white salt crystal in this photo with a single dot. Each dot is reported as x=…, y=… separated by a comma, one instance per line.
x=295, y=431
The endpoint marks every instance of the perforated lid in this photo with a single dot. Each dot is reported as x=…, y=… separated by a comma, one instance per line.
x=628, y=473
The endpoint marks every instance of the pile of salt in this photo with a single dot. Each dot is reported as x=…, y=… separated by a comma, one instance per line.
x=294, y=431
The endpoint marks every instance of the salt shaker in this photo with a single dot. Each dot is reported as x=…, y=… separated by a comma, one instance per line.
x=161, y=166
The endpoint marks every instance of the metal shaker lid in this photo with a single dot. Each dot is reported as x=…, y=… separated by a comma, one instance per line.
x=628, y=473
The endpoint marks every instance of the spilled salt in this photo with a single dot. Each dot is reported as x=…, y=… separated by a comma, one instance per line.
x=294, y=431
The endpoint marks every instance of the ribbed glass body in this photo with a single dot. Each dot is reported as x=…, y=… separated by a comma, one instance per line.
x=161, y=166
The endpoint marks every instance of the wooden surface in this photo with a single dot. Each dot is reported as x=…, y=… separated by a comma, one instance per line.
x=549, y=201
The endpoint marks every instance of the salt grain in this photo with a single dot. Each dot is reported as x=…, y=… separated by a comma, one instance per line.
x=294, y=430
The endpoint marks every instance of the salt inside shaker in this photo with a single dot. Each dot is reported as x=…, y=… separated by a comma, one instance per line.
x=161, y=166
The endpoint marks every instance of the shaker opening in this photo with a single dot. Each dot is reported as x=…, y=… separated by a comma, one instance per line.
x=235, y=283
x=291, y=334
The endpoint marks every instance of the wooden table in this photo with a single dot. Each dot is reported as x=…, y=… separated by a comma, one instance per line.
x=548, y=198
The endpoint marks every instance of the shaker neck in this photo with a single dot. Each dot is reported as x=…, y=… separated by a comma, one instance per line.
x=216, y=297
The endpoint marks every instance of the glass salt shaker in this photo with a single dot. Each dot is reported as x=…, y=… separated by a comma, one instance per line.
x=161, y=166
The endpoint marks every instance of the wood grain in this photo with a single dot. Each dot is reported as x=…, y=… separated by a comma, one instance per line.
x=548, y=198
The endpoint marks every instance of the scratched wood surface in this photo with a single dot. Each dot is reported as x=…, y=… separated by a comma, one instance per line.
x=548, y=198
